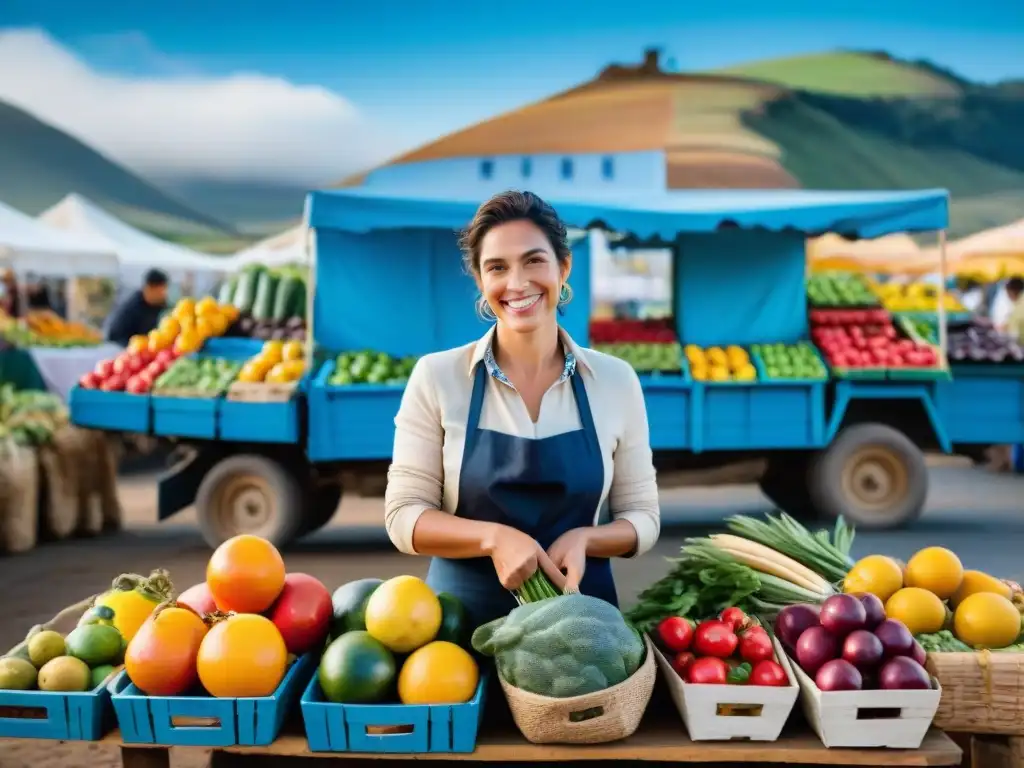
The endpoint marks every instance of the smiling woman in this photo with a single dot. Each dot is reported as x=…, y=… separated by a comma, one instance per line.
x=521, y=451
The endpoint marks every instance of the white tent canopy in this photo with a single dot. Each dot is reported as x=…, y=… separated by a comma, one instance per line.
x=27, y=245
x=134, y=247
x=288, y=247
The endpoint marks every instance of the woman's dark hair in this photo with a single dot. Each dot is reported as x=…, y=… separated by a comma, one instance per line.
x=512, y=206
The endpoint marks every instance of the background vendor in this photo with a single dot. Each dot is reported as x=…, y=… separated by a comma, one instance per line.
x=521, y=450
x=139, y=313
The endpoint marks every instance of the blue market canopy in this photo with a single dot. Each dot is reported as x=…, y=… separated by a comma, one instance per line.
x=658, y=215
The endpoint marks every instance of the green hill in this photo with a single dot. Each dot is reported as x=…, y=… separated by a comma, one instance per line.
x=850, y=73
x=39, y=165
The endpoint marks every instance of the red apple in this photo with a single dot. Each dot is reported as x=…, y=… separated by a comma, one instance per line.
x=104, y=368
x=89, y=381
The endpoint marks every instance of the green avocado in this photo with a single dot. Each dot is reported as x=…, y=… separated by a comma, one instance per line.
x=349, y=603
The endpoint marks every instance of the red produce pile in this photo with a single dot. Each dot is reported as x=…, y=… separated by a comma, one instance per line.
x=866, y=339
x=631, y=332
x=132, y=372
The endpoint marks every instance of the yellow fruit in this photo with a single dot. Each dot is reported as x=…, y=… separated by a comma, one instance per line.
x=987, y=620
x=699, y=373
x=230, y=311
x=716, y=356
x=936, y=569
x=920, y=610
x=188, y=341
x=206, y=306
x=218, y=323
x=184, y=308
x=138, y=343
x=253, y=371
x=976, y=581
x=279, y=374
x=718, y=373
x=157, y=341
x=875, y=574
x=204, y=327
x=170, y=325
x=746, y=372
x=438, y=673
x=403, y=613
x=292, y=351
x=273, y=351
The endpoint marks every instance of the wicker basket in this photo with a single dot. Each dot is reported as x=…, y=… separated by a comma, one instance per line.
x=615, y=713
x=982, y=692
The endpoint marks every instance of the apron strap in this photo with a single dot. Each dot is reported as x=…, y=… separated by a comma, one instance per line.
x=476, y=406
x=586, y=416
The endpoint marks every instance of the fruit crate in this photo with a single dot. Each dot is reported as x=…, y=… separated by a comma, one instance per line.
x=726, y=712
x=354, y=421
x=203, y=721
x=668, y=408
x=391, y=728
x=111, y=411
x=868, y=719
x=59, y=716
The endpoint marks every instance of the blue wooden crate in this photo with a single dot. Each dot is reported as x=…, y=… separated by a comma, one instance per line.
x=172, y=720
x=112, y=411
x=60, y=716
x=356, y=421
x=185, y=416
x=668, y=410
x=440, y=728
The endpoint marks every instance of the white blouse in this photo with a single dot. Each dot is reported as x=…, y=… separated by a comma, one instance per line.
x=430, y=431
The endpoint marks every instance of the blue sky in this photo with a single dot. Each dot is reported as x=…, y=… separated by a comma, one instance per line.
x=166, y=90
x=474, y=58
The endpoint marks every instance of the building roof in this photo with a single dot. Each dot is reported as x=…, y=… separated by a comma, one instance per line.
x=694, y=119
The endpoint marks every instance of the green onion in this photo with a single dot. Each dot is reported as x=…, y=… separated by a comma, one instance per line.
x=786, y=535
x=536, y=588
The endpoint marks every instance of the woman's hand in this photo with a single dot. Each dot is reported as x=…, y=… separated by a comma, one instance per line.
x=569, y=554
x=517, y=557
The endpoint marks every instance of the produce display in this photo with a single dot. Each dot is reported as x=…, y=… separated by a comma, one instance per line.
x=522, y=642
x=370, y=368
x=867, y=339
x=197, y=377
x=45, y=328
x=30, y=417
x=946, y=607
x=915, y=297
x=132, y=372
x=80, y=661
x=278, y=362
x=924, y=328
x=397, y=640
x=660, y=357
x=834, y=290
x=790, y=361
x=717, y=364
x=847, y=644
x=627, y=332
x=271, y=303
x=731, y=649
x=980, y=343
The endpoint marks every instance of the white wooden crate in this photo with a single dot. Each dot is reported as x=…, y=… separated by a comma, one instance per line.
x=726, y=712
x=863, y=719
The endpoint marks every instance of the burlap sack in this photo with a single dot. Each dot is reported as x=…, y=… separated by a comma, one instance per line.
x=19, y=516
x=594, y=718
x=90, y=508
x=109, y=451
x=58, y=511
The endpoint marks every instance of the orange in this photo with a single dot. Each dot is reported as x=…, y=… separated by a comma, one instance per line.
x=936, y=569
x=157, y=341
x=245, y=574
x=438, y=673
x=169, y=325
x=184, y=308
x=243, y=655
x=188, y=341
x=204, y=328
x=218, y=323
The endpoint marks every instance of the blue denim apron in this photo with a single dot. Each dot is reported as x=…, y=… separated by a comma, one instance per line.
x=542, y=487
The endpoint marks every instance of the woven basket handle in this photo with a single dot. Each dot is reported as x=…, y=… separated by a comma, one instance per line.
x=66, y=613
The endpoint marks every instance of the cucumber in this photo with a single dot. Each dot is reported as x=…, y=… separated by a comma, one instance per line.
x=227, y=290
x=245, y=290
x=284, y=300
x=266, y=287
x=298, y=305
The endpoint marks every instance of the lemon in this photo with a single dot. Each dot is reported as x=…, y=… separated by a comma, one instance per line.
x=403, y=613
x=875, y=574
x=438, y=673
x=936, y=569
x=977, y=581
x=921, y=611
x=986, y=620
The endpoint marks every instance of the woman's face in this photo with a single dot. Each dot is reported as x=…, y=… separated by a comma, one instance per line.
x=520, y=276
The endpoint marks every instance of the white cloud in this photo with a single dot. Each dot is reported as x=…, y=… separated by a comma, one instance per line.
x=241, y=127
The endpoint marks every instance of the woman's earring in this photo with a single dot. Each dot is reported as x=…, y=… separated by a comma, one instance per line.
x=484, y=311
x=565, y=295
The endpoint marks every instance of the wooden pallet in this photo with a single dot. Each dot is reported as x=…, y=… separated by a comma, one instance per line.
x=261, y=392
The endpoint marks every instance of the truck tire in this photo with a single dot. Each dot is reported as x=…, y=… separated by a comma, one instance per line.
x=250, y=494
x=785, y=483
x=320, y=507
x=872, y=475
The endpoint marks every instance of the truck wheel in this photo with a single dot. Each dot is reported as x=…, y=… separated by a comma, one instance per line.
x=872, y=475
x=320, y=507
x=249, y=494
x=785, y=484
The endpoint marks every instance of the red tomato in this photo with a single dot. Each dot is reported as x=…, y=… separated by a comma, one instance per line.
x=89, y=380
x=114, y=384
x=198, y=598
x=735, y=618
x=676, y=633
x=755, y=645
x=136, y=386
x=707, y=671
x=302, y=613
x=104, y=368
x=714, y=638
x=682, y=662
x=768, y=672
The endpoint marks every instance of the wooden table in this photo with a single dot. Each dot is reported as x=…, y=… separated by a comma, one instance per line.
x=661, y=741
